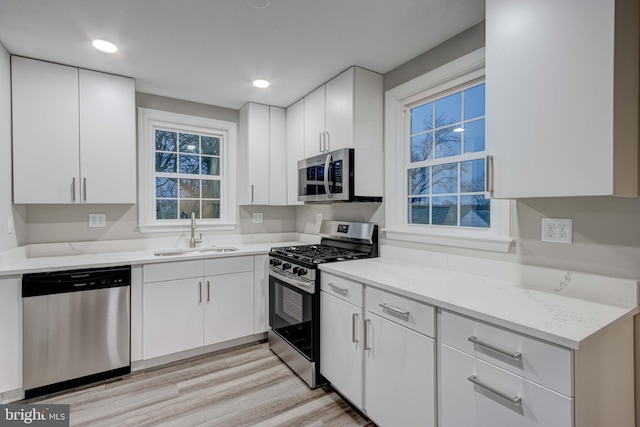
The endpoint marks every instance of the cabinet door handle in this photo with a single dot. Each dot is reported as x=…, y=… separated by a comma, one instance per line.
x=510, y=354
x=320, y=150
x=392, y=309
x=208, y=291
x=367, y=324
x=516, y=400
x=338, y=288
x=73, y=186
x=354, y=321
x=84, y=189
x=251, y=193
x=327, y=141
x=200, y=292
x=488, y=175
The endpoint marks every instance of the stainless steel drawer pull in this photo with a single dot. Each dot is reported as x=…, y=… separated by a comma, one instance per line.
x=517, y=400
x=354, y=321
x=367, y=324
x=511, y=355
x=338, y=288
x=399, y=311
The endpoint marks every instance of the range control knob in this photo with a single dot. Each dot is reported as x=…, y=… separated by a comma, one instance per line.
x=295, y=270
x=301, y=272
x=275, y=262
x=286, y=266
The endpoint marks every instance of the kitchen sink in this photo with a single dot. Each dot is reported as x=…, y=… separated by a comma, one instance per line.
x=195, y=251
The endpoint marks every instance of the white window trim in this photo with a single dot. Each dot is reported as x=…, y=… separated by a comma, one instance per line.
x=148, y=121
x=497, y=238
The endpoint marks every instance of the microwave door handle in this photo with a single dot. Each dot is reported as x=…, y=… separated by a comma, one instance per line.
x=326, y=176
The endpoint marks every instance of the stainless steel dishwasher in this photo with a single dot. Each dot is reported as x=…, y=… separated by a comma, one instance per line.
x=76, y=328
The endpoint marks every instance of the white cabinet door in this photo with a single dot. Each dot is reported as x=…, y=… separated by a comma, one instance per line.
x=553, y=85
x=463, y=403
x=172, y=316
x=399, y=375
x=254, y=154
x=295, y=149
x=228, y=309
x=107, y=138
x=314, y=122
x=341, y=344
x=45, y=132
x=277, y=156
x=261, y=294
x=339, y=94
x=10, y=334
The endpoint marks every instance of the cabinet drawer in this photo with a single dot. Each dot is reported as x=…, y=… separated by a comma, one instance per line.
x=463, y=403
x=539, y=361
x=171, y=271
x=345, y=289
x=228, y=265
x=413, y=314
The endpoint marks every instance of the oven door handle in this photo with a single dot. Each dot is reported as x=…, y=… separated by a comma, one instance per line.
x=327, y=188
x=307, y=287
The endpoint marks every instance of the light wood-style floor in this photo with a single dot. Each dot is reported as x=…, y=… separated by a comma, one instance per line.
x=245, y=386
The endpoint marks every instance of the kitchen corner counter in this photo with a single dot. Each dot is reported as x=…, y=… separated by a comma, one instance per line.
x=555, y=314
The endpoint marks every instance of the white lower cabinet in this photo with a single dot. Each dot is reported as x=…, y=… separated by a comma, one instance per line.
x=372, y=352
x=10, y=334
x=188, y=304
x=497, y=398
x=341, y=346
x=399, y=375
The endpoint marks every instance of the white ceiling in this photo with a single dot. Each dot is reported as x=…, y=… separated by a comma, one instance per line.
x=209, y=51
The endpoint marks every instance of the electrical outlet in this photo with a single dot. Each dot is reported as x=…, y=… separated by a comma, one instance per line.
x=318, y=219
x=557, y=230
x=97, y=220
x=258, y=218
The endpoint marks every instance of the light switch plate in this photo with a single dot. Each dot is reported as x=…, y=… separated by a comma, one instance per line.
x=258, y=218
x=97, y=220
x=319, y=219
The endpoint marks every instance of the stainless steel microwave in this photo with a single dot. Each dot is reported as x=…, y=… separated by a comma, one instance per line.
x=345, y=175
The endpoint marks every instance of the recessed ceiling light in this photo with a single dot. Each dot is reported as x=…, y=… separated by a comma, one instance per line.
x=105, y=46
x=261, y=83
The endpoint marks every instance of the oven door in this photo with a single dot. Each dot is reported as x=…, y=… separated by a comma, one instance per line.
x=293, y=315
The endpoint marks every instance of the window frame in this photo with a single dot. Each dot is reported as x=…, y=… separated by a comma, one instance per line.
x=397, y=103
x=148, y=121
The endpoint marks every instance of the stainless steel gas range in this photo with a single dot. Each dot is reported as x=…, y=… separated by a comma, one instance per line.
x=294, y=292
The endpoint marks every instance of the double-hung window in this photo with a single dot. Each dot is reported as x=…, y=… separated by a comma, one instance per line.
x=436, y=160
x=187, y=167
x=446, y=164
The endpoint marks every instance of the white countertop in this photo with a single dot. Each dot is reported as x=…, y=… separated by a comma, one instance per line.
x=70, y=256
x=552, y=316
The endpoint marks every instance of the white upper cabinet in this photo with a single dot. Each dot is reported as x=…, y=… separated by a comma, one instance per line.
x=562, y=97
x=295, y=149
x=73, y=135
x=262, y=145
x=346, y=112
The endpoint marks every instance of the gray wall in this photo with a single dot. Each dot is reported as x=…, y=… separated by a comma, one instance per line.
x=64, y=223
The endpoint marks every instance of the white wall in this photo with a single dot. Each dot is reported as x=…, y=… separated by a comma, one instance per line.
x=7, y=212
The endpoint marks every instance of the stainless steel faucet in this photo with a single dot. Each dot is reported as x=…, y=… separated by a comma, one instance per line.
x=193, y=241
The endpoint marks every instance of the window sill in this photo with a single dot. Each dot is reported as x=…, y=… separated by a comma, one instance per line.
x=469, y=241
x=169, y=228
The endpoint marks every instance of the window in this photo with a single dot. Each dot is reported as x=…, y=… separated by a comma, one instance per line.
x=435, y=161
x=446, y=165
x=184, y=167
